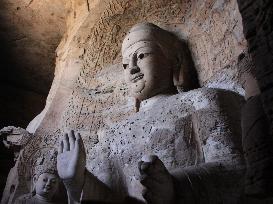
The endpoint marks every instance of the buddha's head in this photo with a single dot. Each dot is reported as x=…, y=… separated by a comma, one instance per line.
x=152, y=59
x=46, y=185
x=45, y=179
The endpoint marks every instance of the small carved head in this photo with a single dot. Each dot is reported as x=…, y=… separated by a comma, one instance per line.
x=152, y=59
x=46, y=185
x=45, y=179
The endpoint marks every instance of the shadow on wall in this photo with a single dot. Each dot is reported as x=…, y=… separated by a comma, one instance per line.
x=18, y=106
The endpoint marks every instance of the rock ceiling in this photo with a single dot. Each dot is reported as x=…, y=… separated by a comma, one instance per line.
x=30, y=32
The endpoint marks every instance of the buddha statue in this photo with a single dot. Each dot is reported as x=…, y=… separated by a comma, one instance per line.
x=46, y=183
x=183, y=145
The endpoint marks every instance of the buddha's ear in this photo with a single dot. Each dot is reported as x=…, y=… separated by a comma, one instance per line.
x=35, y=178
x=34, y=181
x=178, y=72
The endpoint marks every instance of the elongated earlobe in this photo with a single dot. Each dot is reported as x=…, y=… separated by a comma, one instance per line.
x=137, y=104
x=178, y=73
x=34, y=181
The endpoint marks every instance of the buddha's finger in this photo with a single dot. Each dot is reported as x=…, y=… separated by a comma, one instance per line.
x=66, y=142
x=72, y=138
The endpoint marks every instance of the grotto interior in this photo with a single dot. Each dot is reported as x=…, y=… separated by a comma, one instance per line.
x=136, y=101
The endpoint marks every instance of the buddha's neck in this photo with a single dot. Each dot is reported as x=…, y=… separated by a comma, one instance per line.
x=42, y=199
x=162, y=94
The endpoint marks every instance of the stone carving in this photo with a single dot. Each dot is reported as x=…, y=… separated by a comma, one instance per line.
x=92, y=94
x=147, y=78
x=195, y=135
x=34, y=179
x=15, y=138
x=257, y=115
x=256, y=138
x=257, y=23
x=46, y=185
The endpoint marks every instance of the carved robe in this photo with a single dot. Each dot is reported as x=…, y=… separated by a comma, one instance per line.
x=197, y=132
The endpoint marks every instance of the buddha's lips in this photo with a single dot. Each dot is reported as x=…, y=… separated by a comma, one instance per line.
x=136, y=77
x=47, y=188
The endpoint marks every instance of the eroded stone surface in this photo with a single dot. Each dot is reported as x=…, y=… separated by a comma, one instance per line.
x=88, y=75
x=89, y=93
x=165, y=126
x=195, y=133
x=257, y=21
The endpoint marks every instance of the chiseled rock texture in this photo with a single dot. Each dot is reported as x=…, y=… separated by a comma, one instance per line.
x=183, y=130
x=88, y=75
x=257, y=21
x=258, y=112
x=88, y=89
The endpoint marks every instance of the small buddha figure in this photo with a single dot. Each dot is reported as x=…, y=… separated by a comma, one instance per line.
x=46, y=185
x=179, y=147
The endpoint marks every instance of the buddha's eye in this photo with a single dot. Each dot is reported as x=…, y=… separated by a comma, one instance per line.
x=125, y=66
x=44, y=180
x=142, y=55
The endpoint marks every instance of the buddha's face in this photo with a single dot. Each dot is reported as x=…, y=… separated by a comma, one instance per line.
x=46, y=185
x=147, y=70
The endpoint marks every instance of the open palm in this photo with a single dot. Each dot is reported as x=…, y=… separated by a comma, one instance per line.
x=71, y=157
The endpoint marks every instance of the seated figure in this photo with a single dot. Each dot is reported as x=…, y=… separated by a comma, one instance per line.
x=177, y=148
x=46, y=185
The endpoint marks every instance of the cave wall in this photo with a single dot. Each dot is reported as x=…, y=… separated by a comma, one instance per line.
x=257, y=23
x=88, y=65
x=30, y=31
x=88, y=75
x=88, y=87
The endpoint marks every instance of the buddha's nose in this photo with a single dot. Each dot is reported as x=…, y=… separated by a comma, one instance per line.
x=134, y=70
x=133, y=66
x=48, y=183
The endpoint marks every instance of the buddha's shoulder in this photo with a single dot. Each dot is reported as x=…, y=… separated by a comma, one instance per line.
x=24, y=199
x=209, y=93
x=202, y=98
x=205, y=94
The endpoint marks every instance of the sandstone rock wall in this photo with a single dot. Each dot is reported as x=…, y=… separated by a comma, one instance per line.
x=88, y=89
x=30, y=31
x=88, y=76
x=257, y=21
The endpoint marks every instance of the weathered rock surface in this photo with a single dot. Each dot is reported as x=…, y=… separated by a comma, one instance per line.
x=258, y=112
x=183, y=130
x=88, y=91
x=30, y=32
x=257, y=21
x=88, y=73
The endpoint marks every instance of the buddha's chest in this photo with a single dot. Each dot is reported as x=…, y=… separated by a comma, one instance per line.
x=181, y=130
x=167, y=133
x=171, y=138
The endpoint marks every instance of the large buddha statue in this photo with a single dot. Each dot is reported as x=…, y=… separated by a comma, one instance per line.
x=179, y=147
